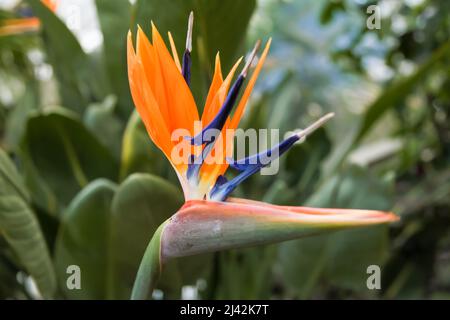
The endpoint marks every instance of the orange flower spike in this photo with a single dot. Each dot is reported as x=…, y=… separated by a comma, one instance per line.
x=18, y=26
x=210, y=220
x=217, y=93
x=182, y=108
x=152, y=68
x=211, y=170
x=241, y=107
x=145, y=102
x=160, y=90
x=51, y=4
x=227, y=145
x=216, y=83
x=174, y=51
x=28, y=23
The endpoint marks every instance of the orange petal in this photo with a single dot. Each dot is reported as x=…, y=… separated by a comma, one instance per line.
x=174, y=51
x=146, y=53
x=208, y=112
x=51, y=4
x=183, y=110
x=145, y=102
x=22, y=25
x=210, y=171
x=248, y=90
x=17, y=26
x=218, y=99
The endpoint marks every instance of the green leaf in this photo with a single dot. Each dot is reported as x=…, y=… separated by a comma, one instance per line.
x=142, y=203
x=9, y=287
x=150, y=268
x=330, y=9
x=79, y=80
x=243, y=274
x=342, y=258
x=220, y=25
x=391, y=96
x=105, y=231
x=61, y=156
x=102, y=121
x=21, y=230
x=303, y=163
x=11, y=180
x=114, y=17
x=139, y=154
x=286, y=98
x=398, y=91
x=83, y=240
x=17, y=118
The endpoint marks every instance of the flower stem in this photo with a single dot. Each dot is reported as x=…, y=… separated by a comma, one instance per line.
x=149, y=269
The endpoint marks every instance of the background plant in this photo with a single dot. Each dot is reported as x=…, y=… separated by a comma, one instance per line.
x=81, y=183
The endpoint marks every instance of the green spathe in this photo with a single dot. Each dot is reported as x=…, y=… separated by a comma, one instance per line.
x=208, y=226
x=202, y=226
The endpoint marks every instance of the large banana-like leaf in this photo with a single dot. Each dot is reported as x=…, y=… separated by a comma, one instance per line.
x=115, y=20
x=105, y=231
x=80, y=80
x=83, y=241
x=20, y=228
x=389, y=98
x=61, y=156
x=141, y=204
x=103, y=122
x=139, y=154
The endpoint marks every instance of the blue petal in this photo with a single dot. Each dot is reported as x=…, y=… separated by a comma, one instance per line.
x=219, y=120
x=25, y=12
x=249, y=166
x=186, y=68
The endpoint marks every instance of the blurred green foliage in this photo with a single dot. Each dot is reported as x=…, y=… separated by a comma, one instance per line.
x=81, y=183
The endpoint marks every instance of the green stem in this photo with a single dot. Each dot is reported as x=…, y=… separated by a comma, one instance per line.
x=149, y=269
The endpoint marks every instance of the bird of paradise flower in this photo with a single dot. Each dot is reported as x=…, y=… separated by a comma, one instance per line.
x=210, y=220
x=27, y=22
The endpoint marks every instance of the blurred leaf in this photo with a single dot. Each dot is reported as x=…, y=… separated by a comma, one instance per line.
x=390, y=97
x=399, y=90
x=21, y=230
x=41, y=193
x=83, y=240
x=432, y=190
x=102, y=121
x=303, y=163
x=105, y=231
x=141, y=204
x=243, y=274
x=299, y=171
x=286, y=114
x=330, y=9
x=61, y=156
x=139, y=154
x=413, y=268
x=11, y=180
x=114, y=17
x=79, y=81
x=342, y=258
x=17, y=118
x=9, y=287
x=220, y=25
